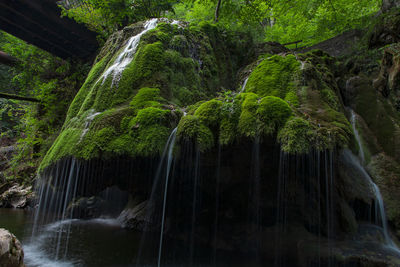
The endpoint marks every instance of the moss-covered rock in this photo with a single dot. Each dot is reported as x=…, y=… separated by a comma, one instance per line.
x=191, y=128
x=133, y=111
x=274, y=76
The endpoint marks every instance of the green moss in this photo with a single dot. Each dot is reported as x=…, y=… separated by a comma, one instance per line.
x=248, y=125
x=209, y=112
x=151, y=140
x=191, y=128
x=141, y=72
x=172, y=67
x=180, y=43
x=249, y=101
x=149, y=116
x=230, y=113
x=274, y=76
x=87, y=87
x=273, y=113
x=331, y=98
x=146, y=97
x=296, y=136
x=64, y=145
x=94, y=142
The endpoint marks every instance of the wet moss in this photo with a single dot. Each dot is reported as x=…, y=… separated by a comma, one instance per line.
x=274, y=76
x=146, y=97
x=273, y=113
x=296, y=136
x=191, y=129
x=209, y=112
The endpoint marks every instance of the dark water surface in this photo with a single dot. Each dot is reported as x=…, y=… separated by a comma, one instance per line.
x=98, y=242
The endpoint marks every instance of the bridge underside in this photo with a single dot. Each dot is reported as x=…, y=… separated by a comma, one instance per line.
x=38, y=22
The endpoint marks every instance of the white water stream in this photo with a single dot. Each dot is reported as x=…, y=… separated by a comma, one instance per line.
x=169, y=147
x=127, y=55
x=379, y=205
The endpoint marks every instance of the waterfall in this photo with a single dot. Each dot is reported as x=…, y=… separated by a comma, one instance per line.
x=353, y=121
x=169, y=147
x=217, y=203
x=52, y=224
x=127, y=55
x=165, y=160
x=89, y=119
x=379, y=205
x=244, y=85
x=254, y=201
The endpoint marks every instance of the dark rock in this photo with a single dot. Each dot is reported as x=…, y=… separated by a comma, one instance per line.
x=389, y=4
x=353, y=87
x=136, y=216
x=11, y=253
x=16, y=196
x=388, y=80
x=87, y=208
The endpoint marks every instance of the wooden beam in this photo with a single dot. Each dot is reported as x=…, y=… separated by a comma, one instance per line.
x=17, y=97
x=7, y=59
x=38, y=21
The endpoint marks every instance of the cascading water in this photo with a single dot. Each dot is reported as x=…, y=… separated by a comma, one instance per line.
x=169, y=147
x=244, y=85
x=89, y=119
x=379, y=205
x=353, y=118
x=127, y=55
x=52, y=225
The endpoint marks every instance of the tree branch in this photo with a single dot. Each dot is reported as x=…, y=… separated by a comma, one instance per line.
x=17, y=97
x=7, y=59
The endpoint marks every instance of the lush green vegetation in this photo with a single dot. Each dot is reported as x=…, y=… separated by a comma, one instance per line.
x=310, y=21
x=34, y=126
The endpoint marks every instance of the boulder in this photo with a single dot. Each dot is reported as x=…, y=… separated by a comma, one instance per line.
x=16, y=196
x=389, y=4
x=87, y=208
x=136, y=216
x=11, y=253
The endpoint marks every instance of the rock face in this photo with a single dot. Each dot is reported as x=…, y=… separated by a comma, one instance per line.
x=11, y=253
x=389, y=4
x=136, y=216
x=16, y=196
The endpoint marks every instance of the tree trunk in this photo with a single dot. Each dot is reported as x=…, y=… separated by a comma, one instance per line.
x=17, y=97
x=7, y=59
x=217, y=10
x=389, y=4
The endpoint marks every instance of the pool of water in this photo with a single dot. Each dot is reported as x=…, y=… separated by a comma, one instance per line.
x=102, y=242
x=98, y=242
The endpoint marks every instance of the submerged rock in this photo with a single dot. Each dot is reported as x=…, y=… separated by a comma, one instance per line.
x=11, y=253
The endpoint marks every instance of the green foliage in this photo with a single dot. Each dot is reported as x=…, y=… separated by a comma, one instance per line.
x=105, y=17
x=54, y=82
x=315, y=21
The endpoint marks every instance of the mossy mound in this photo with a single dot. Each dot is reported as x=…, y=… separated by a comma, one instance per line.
x=179, y=68
x=298, y=106
x=133, y=112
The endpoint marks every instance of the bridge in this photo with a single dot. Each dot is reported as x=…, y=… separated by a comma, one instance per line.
x=38, y=22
